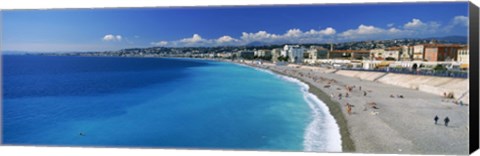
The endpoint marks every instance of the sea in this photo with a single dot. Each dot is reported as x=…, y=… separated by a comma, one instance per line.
x=159, y=103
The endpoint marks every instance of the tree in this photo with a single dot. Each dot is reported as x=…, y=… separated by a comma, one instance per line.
x=234, y=56
x=439, y=67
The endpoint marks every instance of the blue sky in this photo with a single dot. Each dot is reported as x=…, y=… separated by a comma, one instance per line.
x=113, y=29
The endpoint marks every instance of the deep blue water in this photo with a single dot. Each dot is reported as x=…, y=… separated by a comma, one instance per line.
x=162, y=103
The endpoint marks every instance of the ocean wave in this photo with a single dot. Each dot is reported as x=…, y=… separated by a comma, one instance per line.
x=322, y=133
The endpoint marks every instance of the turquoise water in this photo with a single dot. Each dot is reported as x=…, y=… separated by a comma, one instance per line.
x=161, y=103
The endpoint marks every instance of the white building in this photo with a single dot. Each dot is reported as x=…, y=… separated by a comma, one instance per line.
x=392, y=54
x=275, y=54
x=262, y=53
x=463, y=56
x=377, y=54
x=418, y=52
x=315, y=54
x=295, y=53
x=406, y=53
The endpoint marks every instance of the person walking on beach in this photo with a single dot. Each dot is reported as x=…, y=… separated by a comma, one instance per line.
x=360, y=87
x=446, y=121
x=436, y=119
x=339, y=96
x=364, y=93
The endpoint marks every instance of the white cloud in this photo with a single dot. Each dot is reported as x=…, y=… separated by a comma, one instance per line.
x=413, y=28
x=226, y=39
x=394, y=30
x=290, y=36
x=293, y=33
x=160, y=43
x=460, y=20
x=111, y=37
x=194, y=39
x=258, y=36
x=415, y=24
x=364, y=31
x=369, y=32
x=327, y=31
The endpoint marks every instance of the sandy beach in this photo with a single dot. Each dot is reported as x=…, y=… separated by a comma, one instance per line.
x=388, y=119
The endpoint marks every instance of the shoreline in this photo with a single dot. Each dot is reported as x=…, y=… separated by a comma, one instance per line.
x=333, y=107
x=380, y=122
x=401, y=123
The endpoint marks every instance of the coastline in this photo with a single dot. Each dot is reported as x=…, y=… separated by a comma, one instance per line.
x=335, y=111
x=396, y=125
x=333, y=107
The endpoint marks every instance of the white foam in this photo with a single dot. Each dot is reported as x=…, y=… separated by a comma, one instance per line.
x=323, y=132
x=323, y=121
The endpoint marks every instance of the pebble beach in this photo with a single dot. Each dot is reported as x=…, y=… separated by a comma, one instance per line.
x=384, y=118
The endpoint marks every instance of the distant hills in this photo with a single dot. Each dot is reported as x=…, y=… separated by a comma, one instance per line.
x=451, y=39
x=14, y=52
x=258, y=44
x=444, y=39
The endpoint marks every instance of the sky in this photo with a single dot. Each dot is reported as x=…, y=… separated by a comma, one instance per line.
x=63, y=30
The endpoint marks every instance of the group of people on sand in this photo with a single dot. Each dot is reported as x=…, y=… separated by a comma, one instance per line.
x=446, y=120
x=398, y=96
x=349, y=89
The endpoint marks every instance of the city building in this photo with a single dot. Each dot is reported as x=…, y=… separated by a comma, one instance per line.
x=317, y=52
x=406, y=53
x=224, y=55
x=418, y=52
x=463, y=57
x=295, y=53
x=377, y=54
x=349, y=54
x=275, y=54
x=441, y=52
x=263, y=53
x=392, y=53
